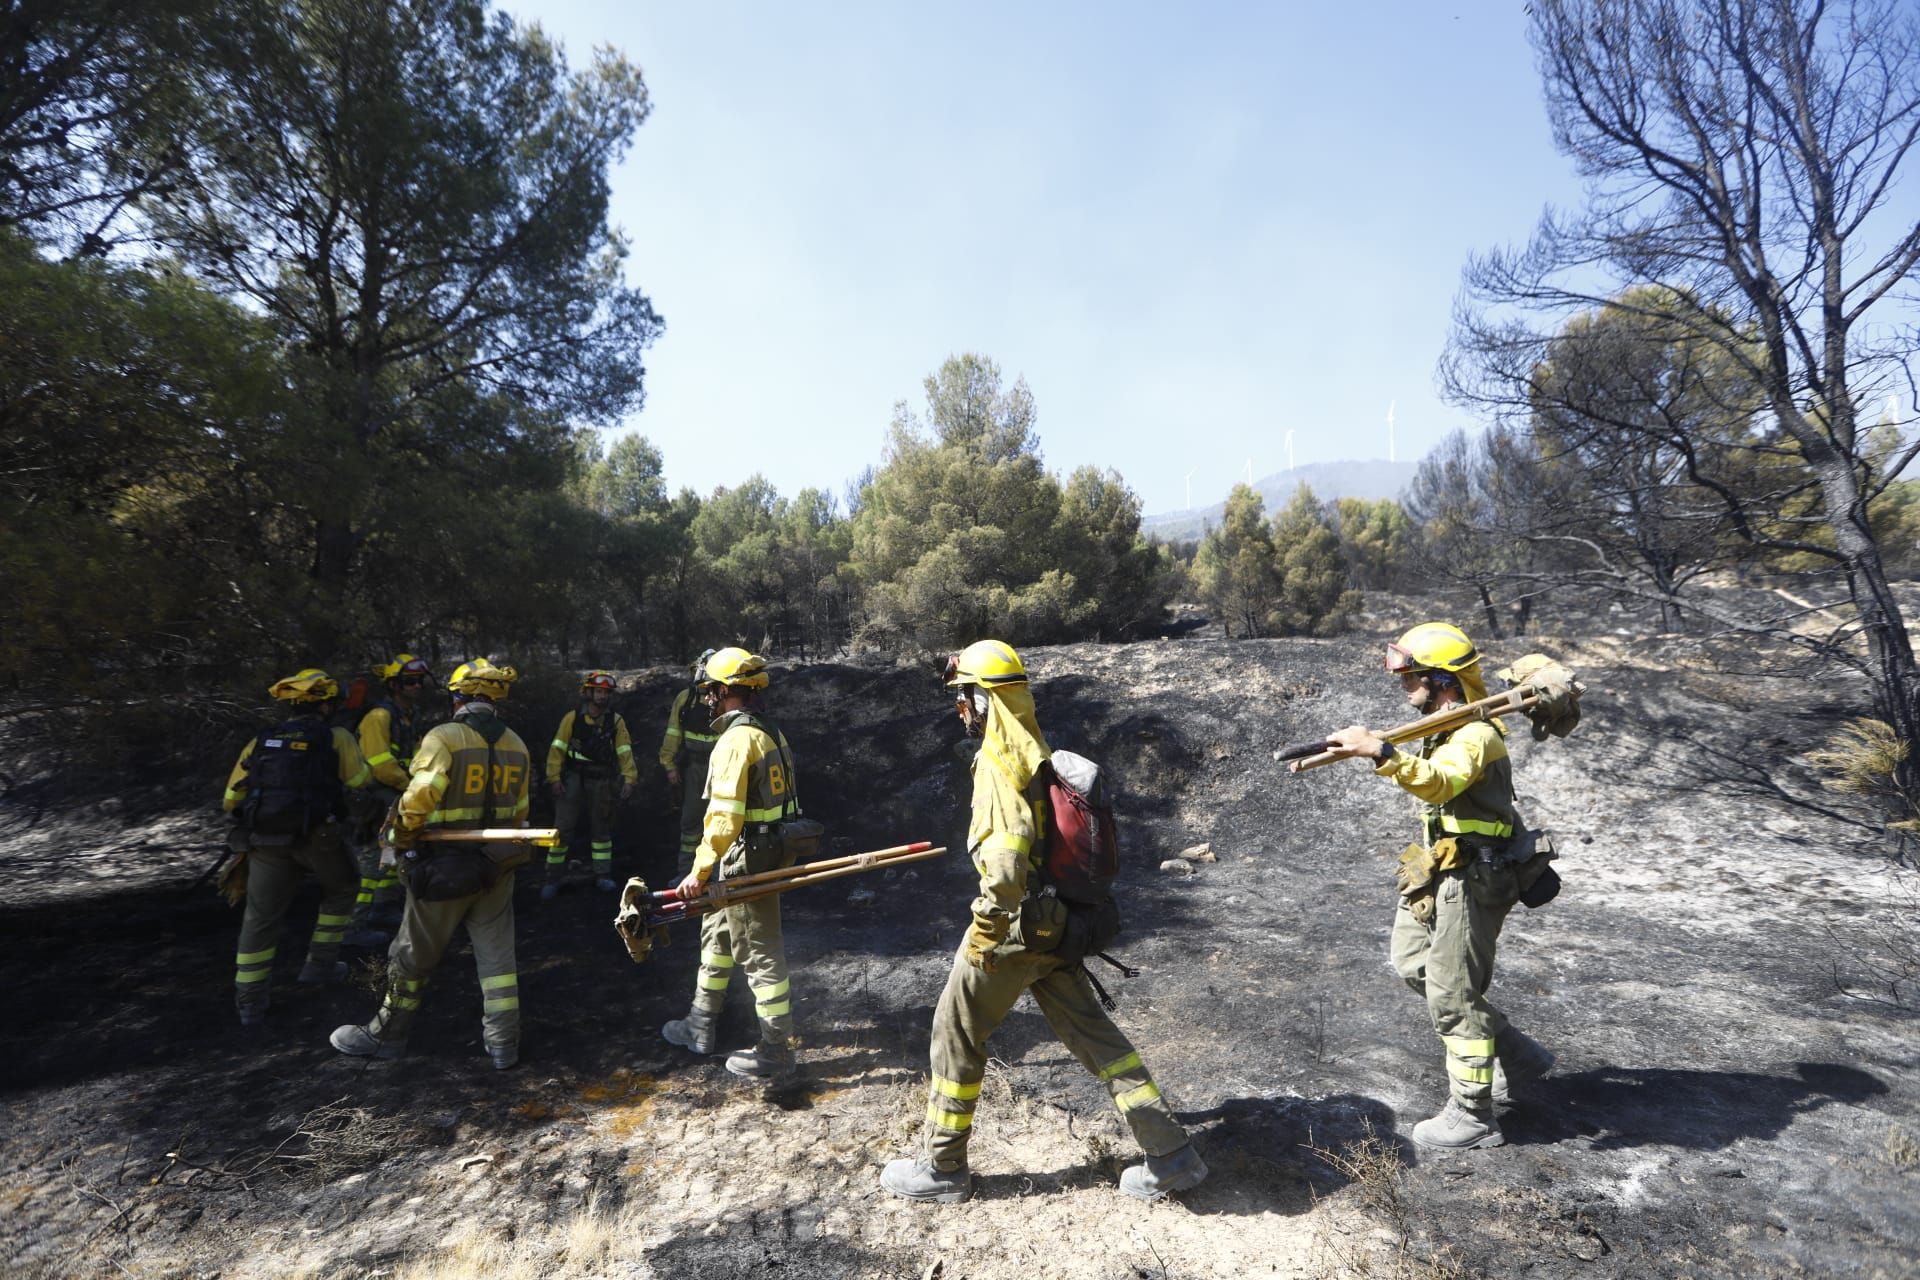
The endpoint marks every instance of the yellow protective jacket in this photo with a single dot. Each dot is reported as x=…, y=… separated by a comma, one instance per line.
x=1463, y=781
x=451, y=787
x=353, y=767
x=1008, y=824
x=566, y=749
x=387, y=751
x=690, y=737
x=750, y=781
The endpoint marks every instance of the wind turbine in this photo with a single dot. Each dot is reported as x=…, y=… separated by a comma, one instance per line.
x=1390, y=405
x=1249, y=473
x=1289, y=449
x=1190, y=489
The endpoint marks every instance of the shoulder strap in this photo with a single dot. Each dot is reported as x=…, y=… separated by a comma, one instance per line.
x=790, y=807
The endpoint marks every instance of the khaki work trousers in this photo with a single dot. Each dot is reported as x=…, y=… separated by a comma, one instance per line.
x=425, y=932
x=370, y=807
x=693, y=809
x=748, y=938
x=274, y=876
x=1449, y=963
x=976, y=1002
x=593, y=797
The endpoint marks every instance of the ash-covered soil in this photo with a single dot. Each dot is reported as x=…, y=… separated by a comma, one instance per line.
x=1736, y=1093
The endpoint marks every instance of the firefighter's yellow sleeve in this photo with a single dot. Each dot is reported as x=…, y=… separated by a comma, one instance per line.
x=431, y=764
x=1455, y=764
x=237, y=779
x=376, y=744
x=557, y=753
x=727, y=773
x=623, y=749
x=354, y=772
x=1000, y=839
x=670, y=745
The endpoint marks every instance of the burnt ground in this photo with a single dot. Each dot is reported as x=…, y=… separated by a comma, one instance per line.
x=1722, y=978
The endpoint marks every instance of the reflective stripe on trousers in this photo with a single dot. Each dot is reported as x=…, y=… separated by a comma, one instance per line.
x=426, y=931
x=748, y=938
x=274, y=877
x=974, y=1003
x=1449, y=962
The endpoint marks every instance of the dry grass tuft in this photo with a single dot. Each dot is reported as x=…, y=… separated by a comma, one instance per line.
x=592, y=1243
x=1863, y=758
x=369, y=975
x=1903, y=1152
x=1377, y=1180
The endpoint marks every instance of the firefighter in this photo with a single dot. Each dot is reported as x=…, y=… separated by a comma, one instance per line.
x=684, y=753
x=994, y=964
x=1456, y=898
x=470, y=773
x=589, y=747
x=389, y=731
x=750, y=787
x=287, y=794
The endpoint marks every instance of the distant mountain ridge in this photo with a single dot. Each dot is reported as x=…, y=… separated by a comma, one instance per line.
x=1372, y=480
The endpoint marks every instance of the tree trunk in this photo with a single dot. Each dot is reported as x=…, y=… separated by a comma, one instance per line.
x=333, y=547
x=1895, y=675
x=1493, y=616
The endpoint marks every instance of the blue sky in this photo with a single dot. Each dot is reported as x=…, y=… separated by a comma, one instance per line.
x=1190, y=229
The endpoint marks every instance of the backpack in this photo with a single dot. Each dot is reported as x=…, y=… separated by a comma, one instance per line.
x=1082, y=856
x=1079, y=864
x=293, y=780
x=591, y=747
x=360, y=699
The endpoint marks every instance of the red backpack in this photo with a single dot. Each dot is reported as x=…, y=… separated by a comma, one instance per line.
x=1082, y=856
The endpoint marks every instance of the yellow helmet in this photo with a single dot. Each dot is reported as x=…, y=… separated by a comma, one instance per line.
x=311, y=685
x=1431, y=646
x=735, y=666
x=597, y=680
x=481, y=678
x=986, y=662
x=405, y=664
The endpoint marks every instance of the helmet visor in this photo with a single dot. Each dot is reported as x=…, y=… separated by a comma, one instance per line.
x=1401, y=661
x=950, y=670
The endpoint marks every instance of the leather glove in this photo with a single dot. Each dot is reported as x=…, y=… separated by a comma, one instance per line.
x=673, y=778
x=558, y=788
x=980, y=948
x=626, y=791
x=400, y=838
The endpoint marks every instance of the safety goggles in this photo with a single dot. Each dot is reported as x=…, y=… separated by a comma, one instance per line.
x=411, y=682
x=1400, y=661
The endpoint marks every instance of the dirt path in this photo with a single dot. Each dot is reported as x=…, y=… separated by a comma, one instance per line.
x=1722, y=1107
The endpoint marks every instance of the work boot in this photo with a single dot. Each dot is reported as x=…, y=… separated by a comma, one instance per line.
x=605, y=884
x=315, y=975
x=358, y=1042
x=1518, y=1059
x=504, y=1056
x=762, y=1062
x=696, y=1031
x=366, y=937
x=1179, y=1170
x=919, y=1180
x=252, y=1015
x=1458, y=1129
x=549, y=891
